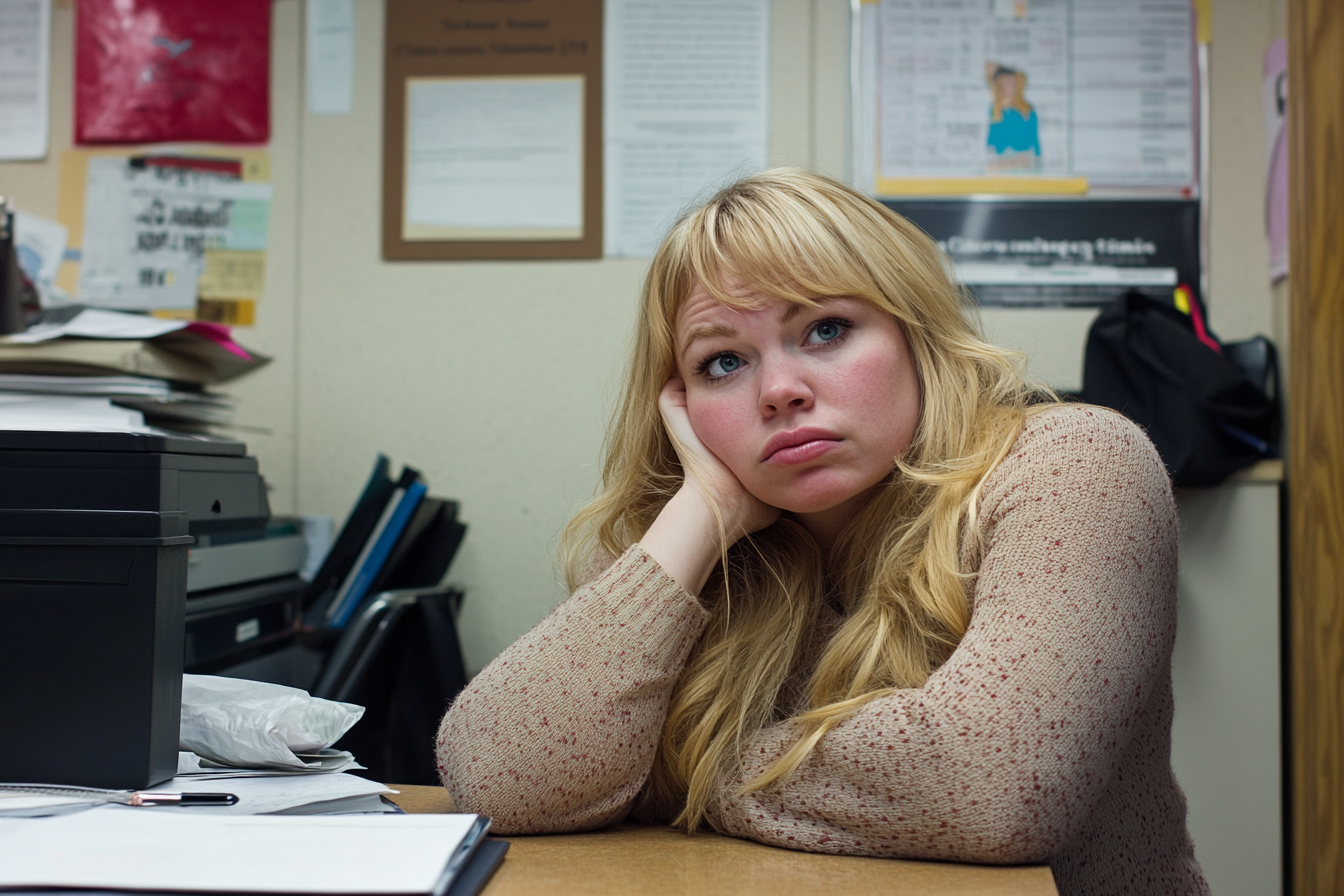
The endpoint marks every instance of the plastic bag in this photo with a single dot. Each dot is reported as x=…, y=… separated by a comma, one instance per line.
x=237, y=722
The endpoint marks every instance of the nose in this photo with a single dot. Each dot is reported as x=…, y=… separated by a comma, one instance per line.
x=784, y=386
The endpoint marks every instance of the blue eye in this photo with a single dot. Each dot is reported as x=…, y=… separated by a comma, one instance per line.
x=722, y=365
x=827, y=331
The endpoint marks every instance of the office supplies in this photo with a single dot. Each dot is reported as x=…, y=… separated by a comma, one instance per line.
x=401, y=854
x=275, y=792
x=92, y=666
x=94, y=796
x=210, y=479
x=363, y=518
x=426, y=548
x=221, y=561
x=315, y=762
x=183, y=355
x=380, y=545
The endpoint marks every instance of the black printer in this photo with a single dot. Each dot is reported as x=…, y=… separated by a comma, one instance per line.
x=95, y=529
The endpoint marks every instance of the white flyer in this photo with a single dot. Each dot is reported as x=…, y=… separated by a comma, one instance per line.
x=686, y=95
x=147, y=227
x=25, y=78
x=331, y=55
x=494, y=158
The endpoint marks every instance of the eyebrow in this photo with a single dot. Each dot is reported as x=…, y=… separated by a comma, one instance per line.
x=709, y=331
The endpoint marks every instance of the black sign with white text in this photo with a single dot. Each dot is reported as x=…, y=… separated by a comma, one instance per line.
x=1063, y=252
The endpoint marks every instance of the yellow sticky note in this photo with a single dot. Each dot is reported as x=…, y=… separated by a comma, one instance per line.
x=233, y=312
x=233, y=275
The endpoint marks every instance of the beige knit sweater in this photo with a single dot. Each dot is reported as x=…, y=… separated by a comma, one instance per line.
x=1046, y=737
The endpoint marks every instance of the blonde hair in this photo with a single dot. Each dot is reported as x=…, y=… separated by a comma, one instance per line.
x=994, y=71
x=895, y=571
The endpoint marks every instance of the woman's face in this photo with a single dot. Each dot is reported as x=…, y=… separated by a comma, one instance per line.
x=808, y=407
x=1006, y=85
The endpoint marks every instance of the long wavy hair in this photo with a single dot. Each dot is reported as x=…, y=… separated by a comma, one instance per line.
x=895, y=572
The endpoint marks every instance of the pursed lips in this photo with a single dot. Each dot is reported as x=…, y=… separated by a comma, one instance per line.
x=795, y=439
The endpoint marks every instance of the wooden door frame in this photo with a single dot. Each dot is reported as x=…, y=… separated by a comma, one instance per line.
x=1316, y=445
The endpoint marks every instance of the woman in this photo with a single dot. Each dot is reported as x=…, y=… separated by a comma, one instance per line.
x=850, y=586
x=1013, y=141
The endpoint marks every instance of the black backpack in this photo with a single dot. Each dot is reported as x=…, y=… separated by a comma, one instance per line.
x=1211, y=409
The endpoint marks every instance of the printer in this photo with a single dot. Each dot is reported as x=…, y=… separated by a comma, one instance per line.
x=98, y=534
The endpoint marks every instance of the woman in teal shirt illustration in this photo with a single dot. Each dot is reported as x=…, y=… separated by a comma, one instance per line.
x=1014, y=143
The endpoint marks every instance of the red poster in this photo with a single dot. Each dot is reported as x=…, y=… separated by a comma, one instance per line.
x=154, y=71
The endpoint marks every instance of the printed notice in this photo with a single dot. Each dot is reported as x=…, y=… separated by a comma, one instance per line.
x=331, y=55
x=1048, y=88
x=494, y=158
x=147, y=230
x=25, y=78
x=686, y=98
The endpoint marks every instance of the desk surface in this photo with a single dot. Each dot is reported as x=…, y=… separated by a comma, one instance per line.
x=664, y=862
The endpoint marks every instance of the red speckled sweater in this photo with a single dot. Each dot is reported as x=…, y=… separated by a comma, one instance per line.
x=1045, y=737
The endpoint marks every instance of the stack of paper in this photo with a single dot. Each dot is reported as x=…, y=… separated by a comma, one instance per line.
x=38, y=412
x=158, y=369
x=148, y=849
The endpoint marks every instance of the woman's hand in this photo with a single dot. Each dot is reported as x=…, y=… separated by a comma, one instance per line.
x=686, y=538
x=742, y=512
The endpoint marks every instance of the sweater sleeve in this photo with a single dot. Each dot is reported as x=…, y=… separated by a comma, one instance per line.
x=1004, y=752
x=560, y=731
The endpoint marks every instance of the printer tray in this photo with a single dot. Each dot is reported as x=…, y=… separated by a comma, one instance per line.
x=230, y=625
x=217, y=486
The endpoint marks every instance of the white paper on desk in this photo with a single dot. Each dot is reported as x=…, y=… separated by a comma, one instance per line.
x=331, y=55
x=146, y=849
x=146, y=231
x=494, y=158
x=25, y=78
x=687, y=88
x=273, y=793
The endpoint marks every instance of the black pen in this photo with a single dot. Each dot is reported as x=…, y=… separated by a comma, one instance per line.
x=123, y=797
x=152, y=798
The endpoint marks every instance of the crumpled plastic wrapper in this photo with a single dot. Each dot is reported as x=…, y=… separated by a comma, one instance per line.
x=253, y=724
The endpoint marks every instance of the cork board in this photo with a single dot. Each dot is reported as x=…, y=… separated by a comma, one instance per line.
x=452, y=57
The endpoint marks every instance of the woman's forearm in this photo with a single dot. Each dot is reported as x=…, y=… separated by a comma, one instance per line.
x=685, y=540
x=560, y=731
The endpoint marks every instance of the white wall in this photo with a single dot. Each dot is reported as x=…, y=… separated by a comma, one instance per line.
x=495, y=378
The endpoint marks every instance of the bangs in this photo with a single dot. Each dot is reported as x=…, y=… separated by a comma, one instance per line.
x=776, y=243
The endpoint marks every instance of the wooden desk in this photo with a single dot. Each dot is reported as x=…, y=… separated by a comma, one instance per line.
x=662, y=862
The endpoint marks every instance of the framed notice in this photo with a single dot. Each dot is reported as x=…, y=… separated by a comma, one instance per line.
x=492, y=130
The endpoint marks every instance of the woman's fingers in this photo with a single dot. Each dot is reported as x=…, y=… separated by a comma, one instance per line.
x=741, y=511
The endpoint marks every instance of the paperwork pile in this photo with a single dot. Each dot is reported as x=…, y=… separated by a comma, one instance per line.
x=268, y=794
x=148, y=849
x=80, y=367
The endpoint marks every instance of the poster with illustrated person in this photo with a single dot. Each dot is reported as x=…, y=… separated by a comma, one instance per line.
x=1094, y=91
x=1014, y=141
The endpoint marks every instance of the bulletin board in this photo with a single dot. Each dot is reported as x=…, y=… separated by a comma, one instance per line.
x=492, y=130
